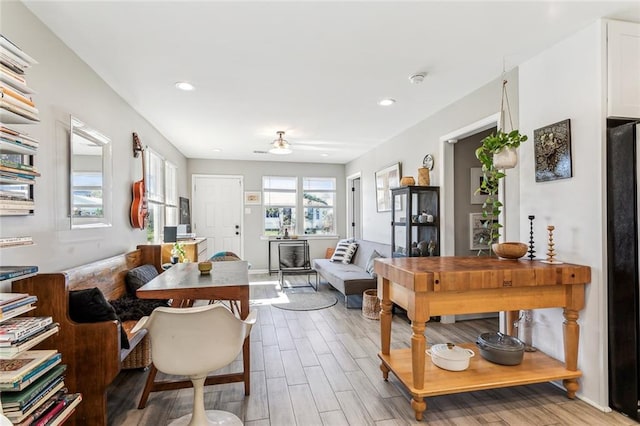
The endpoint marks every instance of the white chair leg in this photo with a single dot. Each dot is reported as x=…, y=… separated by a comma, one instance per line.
x=198, y=416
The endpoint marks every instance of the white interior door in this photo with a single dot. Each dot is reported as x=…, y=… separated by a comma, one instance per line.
x=217, y=212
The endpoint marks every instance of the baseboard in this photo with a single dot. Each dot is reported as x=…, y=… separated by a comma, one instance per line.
x=587, y=400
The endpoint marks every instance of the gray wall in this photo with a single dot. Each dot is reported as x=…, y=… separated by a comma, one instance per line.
x=255, y=248
x=65, y=85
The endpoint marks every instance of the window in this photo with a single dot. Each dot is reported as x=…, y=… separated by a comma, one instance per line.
x=279, y=195
x=162, y=197
x=319, y=195
x=281, y=200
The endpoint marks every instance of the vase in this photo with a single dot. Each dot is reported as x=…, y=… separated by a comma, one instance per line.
x=506, y=158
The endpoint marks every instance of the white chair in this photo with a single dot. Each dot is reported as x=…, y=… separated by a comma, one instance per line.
x=193, y=342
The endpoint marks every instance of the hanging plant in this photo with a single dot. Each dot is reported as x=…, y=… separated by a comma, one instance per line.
x=493, y=170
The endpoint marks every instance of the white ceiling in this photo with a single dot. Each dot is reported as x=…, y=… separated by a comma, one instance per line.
x=313, y=69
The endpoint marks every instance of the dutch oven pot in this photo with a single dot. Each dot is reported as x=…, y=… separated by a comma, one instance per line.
x=450, y=357
x=500, y=348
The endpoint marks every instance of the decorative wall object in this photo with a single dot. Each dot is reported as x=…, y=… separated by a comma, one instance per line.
x=478, y=232
x=552, y=147
x=252, y=197
x=386, y=179
x=476, y=176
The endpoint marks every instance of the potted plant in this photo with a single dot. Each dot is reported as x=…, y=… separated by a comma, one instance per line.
x=489, y=153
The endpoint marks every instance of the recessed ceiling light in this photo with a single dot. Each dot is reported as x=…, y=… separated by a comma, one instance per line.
x=184, y=85
x=386, y=102
x=324, y=154
x=216, y=150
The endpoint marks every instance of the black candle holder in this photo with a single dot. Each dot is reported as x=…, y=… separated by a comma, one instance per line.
x=531, y=250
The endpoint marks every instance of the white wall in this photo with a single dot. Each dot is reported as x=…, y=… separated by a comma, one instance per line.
x=409, y=148
x=255, y=248
x=65, y=85
x=566, y=81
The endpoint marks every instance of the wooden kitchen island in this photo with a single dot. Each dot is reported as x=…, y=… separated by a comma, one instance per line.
x=431, y=286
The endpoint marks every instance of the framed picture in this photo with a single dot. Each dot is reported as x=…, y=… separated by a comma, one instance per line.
x=476, y=178
x=386, y=179
x=253, y=197
x=552, y=148
x=478, y=232
x=185, y=213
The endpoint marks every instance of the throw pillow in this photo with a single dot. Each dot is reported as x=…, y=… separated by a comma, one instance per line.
x=370, y=263
x=90, y=305
x=344, y=251
x=137, y=277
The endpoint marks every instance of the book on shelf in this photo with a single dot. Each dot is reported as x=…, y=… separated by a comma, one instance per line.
x=14, y=135
x=17, y=329
x=29, y=299
x=19, y=103
x=15, y=212
x=69, y=404
x=19, y=414
x=15, y=369
x=18, y=110
x=26, y=148
x=42, y=408
x=17, y=311
x=33, y=375
x=16, y=165
x=23, y=400
x=16, y=243
x=16, y=205
x=14, y=75
x=14, y=178
x=13, y=48
x=7, y=298
x=15, y=349
x=15, y=93
x=8, y=272
x=18, y=171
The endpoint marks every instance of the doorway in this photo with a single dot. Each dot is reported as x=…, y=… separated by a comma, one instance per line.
x=354, y=207
x=217, y=212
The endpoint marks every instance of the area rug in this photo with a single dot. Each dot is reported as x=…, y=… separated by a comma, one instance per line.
x=305, y=301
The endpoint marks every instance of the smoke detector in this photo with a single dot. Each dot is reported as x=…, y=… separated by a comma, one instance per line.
x=417, y=78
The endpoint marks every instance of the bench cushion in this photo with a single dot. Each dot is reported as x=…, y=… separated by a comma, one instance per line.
x=89, y=305
x=137, y=277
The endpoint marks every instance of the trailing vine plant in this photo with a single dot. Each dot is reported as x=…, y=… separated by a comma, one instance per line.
x=491, y=145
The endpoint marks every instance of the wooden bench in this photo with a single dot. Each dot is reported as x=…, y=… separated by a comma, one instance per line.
x=91, y=351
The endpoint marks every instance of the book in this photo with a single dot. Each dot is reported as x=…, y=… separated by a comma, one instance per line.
x=16, y=94
x=16, y=243
x=14, y=350
x=17, y=329
x=13, y=48
x=18, y=102
x=17, y=311
x=32, y=376
x=15, y=212
x=19, y=302
x=15, y=369
x=42, y=408
x=17, y=401
x=16, y=165
x=18, y=171
x=18, y=110
x=8, y=272
x=70, y=402
x=17, y=415
x=6, y=298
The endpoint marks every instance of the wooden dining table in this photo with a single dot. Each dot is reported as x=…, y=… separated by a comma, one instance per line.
x=183, y=284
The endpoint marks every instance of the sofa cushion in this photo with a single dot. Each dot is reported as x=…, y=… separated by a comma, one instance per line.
x=371, y=263
x=137, y=277
x=90, y=305
x=345, y=249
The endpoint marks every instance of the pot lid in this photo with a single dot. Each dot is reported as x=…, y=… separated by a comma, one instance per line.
x=503, y=342
x=451, y=352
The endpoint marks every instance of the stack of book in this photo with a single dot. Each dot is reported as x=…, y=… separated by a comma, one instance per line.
x=15, y=99
x=14, y=304
x=19, y=334
x=10, y=242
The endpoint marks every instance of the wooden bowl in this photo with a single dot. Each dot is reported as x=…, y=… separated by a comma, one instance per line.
x=205, y=267
x=509, y=250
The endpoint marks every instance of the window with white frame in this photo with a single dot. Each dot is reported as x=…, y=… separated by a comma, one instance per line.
x=281, y=199
x=319, y=196
x=162, y=197
x=279, y=196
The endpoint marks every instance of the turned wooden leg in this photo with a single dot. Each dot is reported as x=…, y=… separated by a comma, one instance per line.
x=418, y=346
x=571, y=331
x=385, y=371
x=419, y=406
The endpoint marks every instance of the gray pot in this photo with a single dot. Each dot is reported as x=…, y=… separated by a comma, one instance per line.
x=500, y=348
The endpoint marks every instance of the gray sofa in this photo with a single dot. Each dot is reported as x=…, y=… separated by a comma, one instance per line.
x=351, y=279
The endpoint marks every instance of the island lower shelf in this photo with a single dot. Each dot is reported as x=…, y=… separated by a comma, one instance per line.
x=536, y=367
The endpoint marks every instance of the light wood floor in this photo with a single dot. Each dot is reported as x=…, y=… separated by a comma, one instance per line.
x=321, y=368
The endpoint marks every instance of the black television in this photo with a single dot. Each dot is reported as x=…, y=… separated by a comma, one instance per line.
x=185, y=213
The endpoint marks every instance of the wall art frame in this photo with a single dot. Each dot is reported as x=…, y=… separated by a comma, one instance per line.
x=252, y=197
x=386, y=178
x=552, y=149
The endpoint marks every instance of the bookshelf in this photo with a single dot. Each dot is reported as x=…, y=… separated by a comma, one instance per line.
x=32, y=388
x=17, y=148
